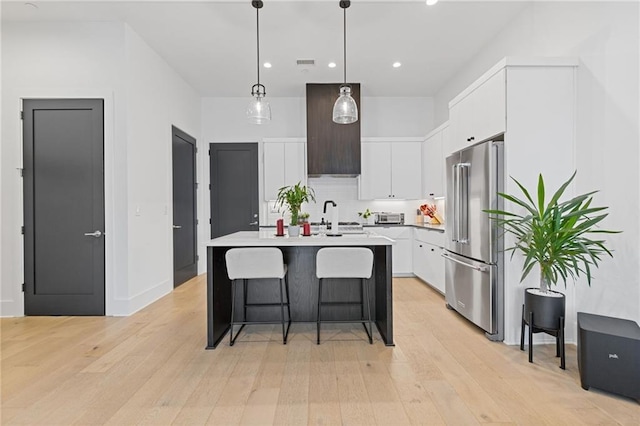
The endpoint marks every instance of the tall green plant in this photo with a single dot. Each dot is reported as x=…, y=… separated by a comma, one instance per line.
x=293, y=197
x=555, y=235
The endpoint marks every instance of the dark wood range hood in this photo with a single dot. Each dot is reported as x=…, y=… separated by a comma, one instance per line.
x=332, y=149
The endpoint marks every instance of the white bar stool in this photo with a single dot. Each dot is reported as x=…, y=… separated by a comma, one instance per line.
x=345, y=262
x=257, y=263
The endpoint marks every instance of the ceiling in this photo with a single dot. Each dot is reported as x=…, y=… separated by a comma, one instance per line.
x=212, y=44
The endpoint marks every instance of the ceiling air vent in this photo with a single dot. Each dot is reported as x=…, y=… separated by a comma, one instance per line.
x=304, y=65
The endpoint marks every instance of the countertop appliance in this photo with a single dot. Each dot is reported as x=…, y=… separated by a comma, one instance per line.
x=389, y=218
x=474, y=272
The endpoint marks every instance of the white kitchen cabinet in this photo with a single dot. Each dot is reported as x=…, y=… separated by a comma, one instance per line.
x=433, y=161
x=401, y=258
x=284, y=164
x=428, y=264
x=479, y=114
x=391, y=169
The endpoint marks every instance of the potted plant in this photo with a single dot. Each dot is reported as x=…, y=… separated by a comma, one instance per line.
x=293, y=197
x=303, y=217
x=365, y=215
x=555, y=237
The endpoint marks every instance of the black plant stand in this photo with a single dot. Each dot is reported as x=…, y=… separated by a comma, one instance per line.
x=544, y=315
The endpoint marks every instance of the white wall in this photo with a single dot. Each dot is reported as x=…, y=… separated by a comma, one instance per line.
x=605, y=37
x=156, y=99
x=41, y=60
x=143, y=97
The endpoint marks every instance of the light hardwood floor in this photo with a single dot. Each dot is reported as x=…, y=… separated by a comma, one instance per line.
x=151, y=368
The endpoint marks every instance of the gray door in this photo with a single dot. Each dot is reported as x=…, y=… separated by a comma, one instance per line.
x=234, y=187
x=64, y=207
x=185, y=244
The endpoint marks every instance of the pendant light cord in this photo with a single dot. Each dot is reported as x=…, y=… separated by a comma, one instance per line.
x=258, y=42
x=344, y=47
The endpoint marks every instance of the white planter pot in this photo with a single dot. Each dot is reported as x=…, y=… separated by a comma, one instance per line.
x=294, y=230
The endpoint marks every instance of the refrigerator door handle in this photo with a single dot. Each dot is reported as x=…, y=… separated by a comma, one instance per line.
x=477, y=268
x=456, y=203
x=463, y=202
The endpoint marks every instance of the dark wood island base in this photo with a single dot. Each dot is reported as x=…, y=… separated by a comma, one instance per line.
x=303, y=286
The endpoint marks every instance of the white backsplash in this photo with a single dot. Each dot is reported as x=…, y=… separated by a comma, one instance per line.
x=344, y=192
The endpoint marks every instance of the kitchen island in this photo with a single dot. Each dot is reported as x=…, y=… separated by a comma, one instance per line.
x=299, y=255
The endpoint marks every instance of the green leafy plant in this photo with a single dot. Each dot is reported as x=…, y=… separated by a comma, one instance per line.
x=555, y=235
x=293, y=197
x=365, y=214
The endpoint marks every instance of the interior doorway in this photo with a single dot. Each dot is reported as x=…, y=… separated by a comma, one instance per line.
x=64, y=208
x=185, y=222
x=234, y=188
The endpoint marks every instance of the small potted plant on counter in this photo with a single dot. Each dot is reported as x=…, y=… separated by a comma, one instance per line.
x=365, y=215
x=293, y=197
x=555, y=236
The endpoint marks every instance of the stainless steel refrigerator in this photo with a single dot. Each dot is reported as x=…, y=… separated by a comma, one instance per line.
x=474, y=274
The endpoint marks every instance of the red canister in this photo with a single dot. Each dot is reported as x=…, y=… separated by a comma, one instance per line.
x=306, y=229
x=280, y=227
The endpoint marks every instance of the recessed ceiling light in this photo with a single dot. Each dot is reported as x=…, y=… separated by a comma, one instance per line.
x=267, y=64
x=431, y=2
x=332, y=64
x=397, y=64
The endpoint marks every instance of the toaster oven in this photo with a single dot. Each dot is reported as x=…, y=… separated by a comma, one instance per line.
x=390, y=218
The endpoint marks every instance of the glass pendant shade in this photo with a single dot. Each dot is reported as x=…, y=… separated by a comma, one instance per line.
x=345, y=110
x=259, y=110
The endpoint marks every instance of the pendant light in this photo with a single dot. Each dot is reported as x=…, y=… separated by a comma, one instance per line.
x=345, y=110
x=259, y=110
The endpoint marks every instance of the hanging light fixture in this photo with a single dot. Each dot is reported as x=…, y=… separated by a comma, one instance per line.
x=345, y=110
x=259, y=110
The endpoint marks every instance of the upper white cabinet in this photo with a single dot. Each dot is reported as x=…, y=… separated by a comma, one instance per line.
x=391, y=169
x=284, y=164
x=433, y=161
x=478, y=114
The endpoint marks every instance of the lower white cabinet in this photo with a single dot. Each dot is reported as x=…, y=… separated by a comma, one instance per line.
x=428, y=264
x=401, y=251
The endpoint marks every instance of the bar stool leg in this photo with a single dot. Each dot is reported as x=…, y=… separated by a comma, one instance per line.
x=233, y=308
x=245, y=297
x=284, y=336
x=366, y=295
x=318, y=317
x=286, y=289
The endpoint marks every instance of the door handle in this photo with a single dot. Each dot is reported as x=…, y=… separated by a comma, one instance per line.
x=95, y=234
x=177, y=226
x=477, y=268
x=253, y=223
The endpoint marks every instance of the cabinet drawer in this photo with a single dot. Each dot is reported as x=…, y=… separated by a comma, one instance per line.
x=394, y=232
x=428, y=236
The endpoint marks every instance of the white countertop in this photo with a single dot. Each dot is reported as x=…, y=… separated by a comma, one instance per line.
x=267, y=238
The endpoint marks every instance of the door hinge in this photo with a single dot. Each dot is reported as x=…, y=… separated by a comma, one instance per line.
x=197, y=257
x=196, y=149
x=197, y=184
x=21, y=115
x=209, y=221
x=23, y=287
x=21, y=171
x=209, y=187
x=209, y=152
x=22, y=230
x=197, y=221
